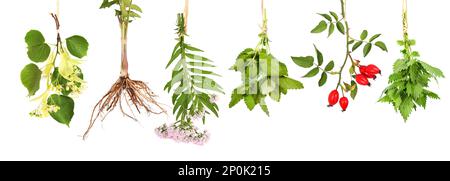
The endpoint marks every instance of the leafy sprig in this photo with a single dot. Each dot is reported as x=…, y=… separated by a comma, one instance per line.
x=191, y=83
x=331, y=22
x=63, y=79
x=262, y=75
x=410, y=79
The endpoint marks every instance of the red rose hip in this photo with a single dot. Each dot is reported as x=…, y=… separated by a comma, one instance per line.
x=344, y=103
x=362, y=80
x=333, y=98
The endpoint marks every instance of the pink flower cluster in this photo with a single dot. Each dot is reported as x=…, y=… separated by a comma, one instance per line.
x=185, y=135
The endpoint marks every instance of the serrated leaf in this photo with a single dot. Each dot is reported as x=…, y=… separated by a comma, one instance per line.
x=136, y=8
x=77, y=46
x=322, y=26
x=305, y=62
x=288, y=83
x=312, y=73
x=263, y=105
x=374, y=37
x=250, y=102
x=330, y=29
x=329, y=66
x=66, y=106
x=381, y=45
x=367, y=49
x=436, y=72
x=340, y=27
x=363, y=35
x=406, y=108
x=31, y=78
x=323, y=79
x=235, y=98
x=356, y=45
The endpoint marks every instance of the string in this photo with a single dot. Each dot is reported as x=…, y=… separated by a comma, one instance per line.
x=264, y=17
x=186, y=14
x=405, y=18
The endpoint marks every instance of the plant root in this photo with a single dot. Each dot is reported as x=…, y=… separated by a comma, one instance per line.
x=135, y=93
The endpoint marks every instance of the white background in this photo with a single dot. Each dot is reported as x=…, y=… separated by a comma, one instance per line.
x=301, y=126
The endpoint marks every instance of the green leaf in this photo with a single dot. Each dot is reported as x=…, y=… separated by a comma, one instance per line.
x=66, y=106
x=374, y=37
x=340, y=27
x=329, y=66
x=312, y=73
x=250, y=102
x=323, y=79
x=235, y=98
x=200, y=64
x=288, y=83
x=406, y=108
x=191, y=48
x=39, y=53
x=34, y=38
x=199, y=71
x=354, y=92
x=335, y=16
x=356, y=45
x=77, y=46
x=305, y=62
x=326, y=16
x=436, y=72
x=31, y=78
x=322, y=26
x=197, y=57
x=331, y=29
x=263, y=105
x=363, y=35
x=136, y=8
x=381, y=45
x=175, y=53
x=319, y=56
x=367, y=49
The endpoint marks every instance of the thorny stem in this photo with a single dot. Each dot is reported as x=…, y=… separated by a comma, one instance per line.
x=347, y=34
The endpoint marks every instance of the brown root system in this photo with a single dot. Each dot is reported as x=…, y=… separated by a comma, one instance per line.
x=134, y=93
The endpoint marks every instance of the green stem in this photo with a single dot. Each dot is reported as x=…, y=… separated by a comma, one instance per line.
x=347, y=34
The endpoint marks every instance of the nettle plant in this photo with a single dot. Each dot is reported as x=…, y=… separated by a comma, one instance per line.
x=262, y=75
x=136, y=94
x=410, y=78
x=358, y=73
x=194, y=91
x=57, y=66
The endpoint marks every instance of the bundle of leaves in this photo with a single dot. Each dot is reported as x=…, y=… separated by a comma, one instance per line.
x=136, y=94
x=262, y=75
x=358, y=72
x=410, y=79
x=194, y=91
x=63, y=79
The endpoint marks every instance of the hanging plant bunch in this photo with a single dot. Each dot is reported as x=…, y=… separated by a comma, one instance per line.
x=56, y=65
x=194, y=90
x=360, y=74
x=410, y=78
x=125, y=92
x=262, y=75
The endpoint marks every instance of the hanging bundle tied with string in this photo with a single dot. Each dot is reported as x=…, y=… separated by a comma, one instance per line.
x=408, y=84
x=126, y=93
x=262, y=75
x=58, y=66
x=193, y=88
